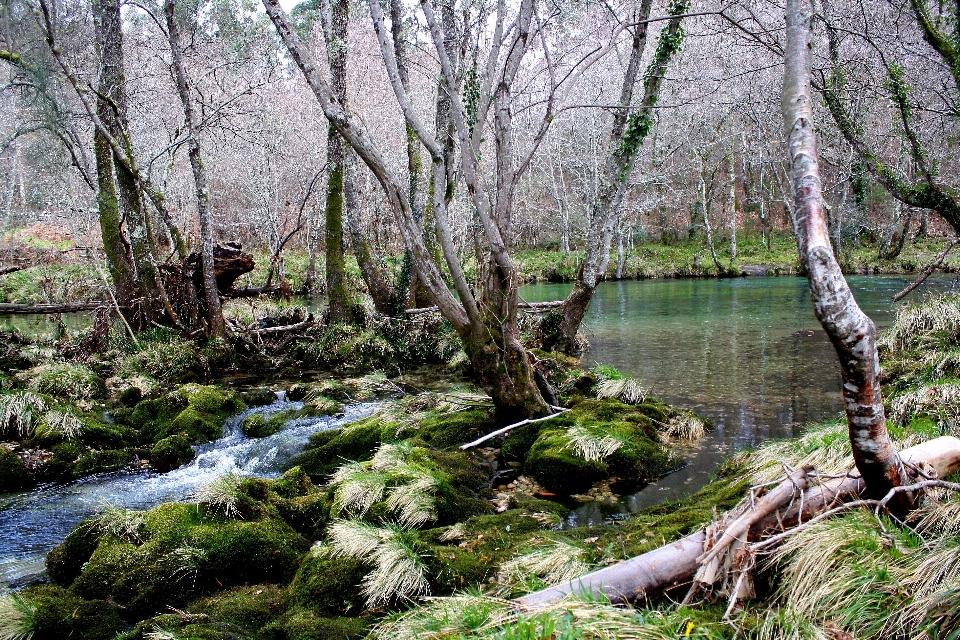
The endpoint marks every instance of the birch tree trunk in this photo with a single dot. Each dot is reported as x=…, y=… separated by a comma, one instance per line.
x=850, y=330
x=211, y=294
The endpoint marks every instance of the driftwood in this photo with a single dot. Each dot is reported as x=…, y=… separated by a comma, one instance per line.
x=674, y=565
x=288, y=327
x=66, y=307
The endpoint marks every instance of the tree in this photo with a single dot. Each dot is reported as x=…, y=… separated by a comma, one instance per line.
x=851, y=331
x=211, y=293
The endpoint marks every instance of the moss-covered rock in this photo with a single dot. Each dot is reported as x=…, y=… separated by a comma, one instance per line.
x=329, y=585
x=13, y=473
x=327, y=450
x=66, y=560
x=259, y=426
x=301, y=623
x=247, y=609
x=258, y=397
x=61, y=614
x=196, y=412
x=62, y=465
x=595, y=440
x=452, y=429
x=102, y=461
x=170, y=453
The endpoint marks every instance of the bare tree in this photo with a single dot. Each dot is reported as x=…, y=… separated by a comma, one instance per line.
x=850, y=330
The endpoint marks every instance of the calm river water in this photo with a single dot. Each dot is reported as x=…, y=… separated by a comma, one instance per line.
x=748, y=353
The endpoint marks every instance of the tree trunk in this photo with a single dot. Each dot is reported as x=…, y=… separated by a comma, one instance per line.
x=850, y=330
x=731, y=177
x=338, y=296
x=626, y=135
x=216, y=326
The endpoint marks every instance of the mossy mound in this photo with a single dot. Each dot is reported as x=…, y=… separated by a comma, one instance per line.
x=170, y=453
x=60, y=614
x=258, y=397
x=304, y=624
x=13, y=473
x=178, y=552
x=105, y=460
x=195, y=412
x=598, y=439
x=246, y=608
x=259, y=426
x=452, y=429
x=329, y=585
x=327, y=450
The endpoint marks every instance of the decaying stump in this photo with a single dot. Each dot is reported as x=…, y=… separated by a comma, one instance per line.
x=229, y=263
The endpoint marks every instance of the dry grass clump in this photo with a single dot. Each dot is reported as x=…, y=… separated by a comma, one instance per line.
x=398, y=570
x=20, y=412
x=125, y=524
x=18, y=617
x=221, y=496
x=590, y=443
x=61, y=423
x=685, y=425
x=915, y=323
x=825, y=447
x=626, y=390
x=553, y=562
x=64, y=379
x=409, y=487
x=938, y=400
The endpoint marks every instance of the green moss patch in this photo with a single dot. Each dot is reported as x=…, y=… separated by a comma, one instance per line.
x=13, y=473
x=195, y=412
x=170, y=453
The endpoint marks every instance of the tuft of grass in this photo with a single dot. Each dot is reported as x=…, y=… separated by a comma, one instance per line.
x=18, y=617
x=118, y=522
x=398, y=570
x=161, y=355
x=626, y=390
x=221, y=496
x=554, y=562
x=20, y=412
x=917, y=323
x=938, y=401
x=590, y=443
x=65, y=380
x=62, y=423
x=825, y=447
x=685, y=425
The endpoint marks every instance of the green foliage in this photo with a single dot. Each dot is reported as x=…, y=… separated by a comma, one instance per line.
x=161, y=355
x=66, y=380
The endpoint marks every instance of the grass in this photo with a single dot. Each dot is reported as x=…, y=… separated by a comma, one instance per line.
x=552, y=562
x=221, y=496
x=125, y=524
x=20, y=412
x=17, y=617
x=591, y=444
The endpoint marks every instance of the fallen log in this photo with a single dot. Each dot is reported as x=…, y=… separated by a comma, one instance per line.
x=66, y=307
x=533, y=306
x=284, y=328
x=675, y=564
x=5, y=270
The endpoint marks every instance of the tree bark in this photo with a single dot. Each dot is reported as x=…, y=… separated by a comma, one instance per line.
x=217, y=328
x=626, y=135
x=850, y=330
x=338, y=297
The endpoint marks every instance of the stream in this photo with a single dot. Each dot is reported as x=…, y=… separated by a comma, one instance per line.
x=747, y=353
x=33, y=522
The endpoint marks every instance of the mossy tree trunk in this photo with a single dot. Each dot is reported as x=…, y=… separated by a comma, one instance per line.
x=850, y=330
x=216, y=325
x=627, y=133
x=338, y=296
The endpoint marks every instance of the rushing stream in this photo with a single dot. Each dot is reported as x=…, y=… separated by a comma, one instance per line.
x=33, y=522
x=748, y=353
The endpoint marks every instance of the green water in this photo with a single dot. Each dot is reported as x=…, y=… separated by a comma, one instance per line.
x=748, y=353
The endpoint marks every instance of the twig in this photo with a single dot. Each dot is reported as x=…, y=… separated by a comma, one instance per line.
x=489, y=436
x=928, y=271
x=289, y=327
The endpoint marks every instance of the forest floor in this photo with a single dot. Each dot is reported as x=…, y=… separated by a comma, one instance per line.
x=375, y=516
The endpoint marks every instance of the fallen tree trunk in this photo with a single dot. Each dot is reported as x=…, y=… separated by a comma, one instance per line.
x=66, y=307
x=533, y=306
x=674, y=565
x=5, y=270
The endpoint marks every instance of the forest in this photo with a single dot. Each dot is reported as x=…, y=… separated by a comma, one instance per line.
x=476, y=319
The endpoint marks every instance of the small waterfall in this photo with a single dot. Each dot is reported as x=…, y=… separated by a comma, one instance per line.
x=33, y=522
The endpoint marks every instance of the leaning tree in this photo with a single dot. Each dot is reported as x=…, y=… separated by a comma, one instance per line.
x=475, y=139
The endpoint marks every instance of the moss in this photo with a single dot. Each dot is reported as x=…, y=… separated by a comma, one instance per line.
x=170, y=453
x=130, y=396
x=100, y=461
x=193, y=425
x=243, y=552
x=308, y=515
x=553, y=462
x=321, y=406
x=329, y=585
x=444, y=430
x=293, y=483
x=258, y=426
x=62, y=466
x=258, y=397
x=65, y=561
x=196, y=412
x=303, y=624
x=356, y=441
x=61, y=614
x=247, y=608
x=13, y=473
x=100, y=434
